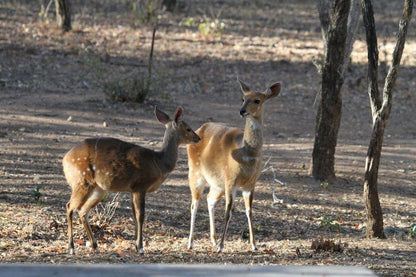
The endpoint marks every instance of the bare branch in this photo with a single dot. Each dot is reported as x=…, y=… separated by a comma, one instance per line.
x=372, y=49
x=397, y=55
x=149, y=66
x=317, y=64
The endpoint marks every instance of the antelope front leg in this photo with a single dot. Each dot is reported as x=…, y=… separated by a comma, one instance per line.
x=248, y=201
x=138, y=212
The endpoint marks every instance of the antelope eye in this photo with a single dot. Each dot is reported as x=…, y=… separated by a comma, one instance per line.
x=242, y=100
x=257, y=101
x=188, y=129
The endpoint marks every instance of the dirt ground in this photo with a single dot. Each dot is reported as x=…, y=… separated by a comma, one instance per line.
x=51, y=87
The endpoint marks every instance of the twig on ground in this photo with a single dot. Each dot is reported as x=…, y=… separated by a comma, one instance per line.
x=276, y=200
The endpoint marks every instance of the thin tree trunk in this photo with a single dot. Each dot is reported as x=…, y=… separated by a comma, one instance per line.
x=380, y=111
x=372, y=53
x=63, y=14
x=329, y=110
x=372, y=202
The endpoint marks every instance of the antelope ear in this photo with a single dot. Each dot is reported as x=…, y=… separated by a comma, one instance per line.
x=178, y=115
x=273, y=91
x=244, y=88
x=161, y=116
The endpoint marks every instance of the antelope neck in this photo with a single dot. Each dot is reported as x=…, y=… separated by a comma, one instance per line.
x=169, y=153
x=253, y=133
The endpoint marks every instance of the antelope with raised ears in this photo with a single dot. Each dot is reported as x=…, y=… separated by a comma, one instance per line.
x=98, y=165
x=228, y=159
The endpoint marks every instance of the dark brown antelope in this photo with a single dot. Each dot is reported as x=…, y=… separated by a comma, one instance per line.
x=228, y=159
x=98, y=165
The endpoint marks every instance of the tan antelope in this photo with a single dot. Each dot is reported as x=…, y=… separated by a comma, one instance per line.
x=98, y=165
x=228, y=159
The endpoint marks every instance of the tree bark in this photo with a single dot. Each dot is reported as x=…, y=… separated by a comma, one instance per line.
x=329, y=111
x=371, y=199
x=380, y=111
x=372, y=53
x=63, y=14
x=324, y=9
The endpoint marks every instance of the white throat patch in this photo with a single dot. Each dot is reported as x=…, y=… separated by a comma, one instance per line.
x=254, y=125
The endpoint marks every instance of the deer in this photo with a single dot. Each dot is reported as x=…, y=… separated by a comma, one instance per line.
x=100, y=165
x=228, y=159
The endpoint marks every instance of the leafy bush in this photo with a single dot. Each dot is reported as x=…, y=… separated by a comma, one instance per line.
x=330, y=223
x=147, y=10
x=207, y=27
x=211, y=28
x=133, y=89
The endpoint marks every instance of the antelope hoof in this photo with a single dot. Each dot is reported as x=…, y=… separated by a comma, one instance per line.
x=214, y=242
x=71, y=251
x=190, y=245
x=254, y=247
x=219, y=250
x=141, y=251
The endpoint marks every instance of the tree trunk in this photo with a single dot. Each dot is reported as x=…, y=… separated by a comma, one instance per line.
x=63, y=14
x=329, y=111
x=324, y=9
x=380, y=111
x=372, y=202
